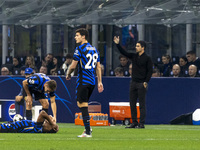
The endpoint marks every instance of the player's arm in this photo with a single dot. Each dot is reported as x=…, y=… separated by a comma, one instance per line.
x=121, y=50
x=54, y=107
x=29, y=98
x=43, y=115
x=71, y=69
x=99, y=77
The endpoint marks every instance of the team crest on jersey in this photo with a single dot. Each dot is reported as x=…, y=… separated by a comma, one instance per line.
x=11, y=110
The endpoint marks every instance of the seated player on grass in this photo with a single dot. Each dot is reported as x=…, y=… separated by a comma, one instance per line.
x=44, y=124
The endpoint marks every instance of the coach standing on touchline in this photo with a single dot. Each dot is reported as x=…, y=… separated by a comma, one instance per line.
x=142, y=68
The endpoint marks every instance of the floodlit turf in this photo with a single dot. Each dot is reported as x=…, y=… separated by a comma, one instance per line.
x=153, y=137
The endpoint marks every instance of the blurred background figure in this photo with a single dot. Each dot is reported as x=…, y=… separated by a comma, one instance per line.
x=183, y=62
x=176, y=70
x=167, y=66
x=30, y=63
x=56, y=65
x=124, y=64
x=67, y=63
x=5, y=71
x=43, y=69
x=130, y=69
x=156, y=72
x=192, y=71
x=119, y=72
x=193, y=59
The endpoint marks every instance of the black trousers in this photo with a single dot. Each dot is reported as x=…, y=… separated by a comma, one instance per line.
x=137, y=91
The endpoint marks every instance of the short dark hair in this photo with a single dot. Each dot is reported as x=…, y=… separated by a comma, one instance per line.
x=52, y=85
x=191, y=53
x=184, y=58
x=122, y=56
x=82, y=32
x=143, y=44
x=69, y=56
x=119, y=69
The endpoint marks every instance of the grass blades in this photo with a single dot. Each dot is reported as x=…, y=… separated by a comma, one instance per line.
x=153, y=137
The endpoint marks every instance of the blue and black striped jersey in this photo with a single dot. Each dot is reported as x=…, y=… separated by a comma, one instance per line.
x=87, y=57
x=24, y=126
x=36, y=82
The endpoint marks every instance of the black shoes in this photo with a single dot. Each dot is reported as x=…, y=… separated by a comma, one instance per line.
x=132, y=126
x=139, y=126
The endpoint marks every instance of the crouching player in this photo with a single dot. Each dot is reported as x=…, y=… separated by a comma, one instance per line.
x=39, y=84
x=44, y=124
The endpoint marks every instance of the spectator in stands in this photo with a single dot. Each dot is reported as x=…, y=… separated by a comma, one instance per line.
x=124, y=63
x=57, y=64
x=167, y=66
x=192, y=71
x=43, y=69
x=67, y=63
x=16, y=66
x=30, y=63
x=130, y=69
x=48, y=62
x=4, y=71
x=184, y=65
x=176, y=70
x=156, y=72
x=119, y=72
x=193, y=59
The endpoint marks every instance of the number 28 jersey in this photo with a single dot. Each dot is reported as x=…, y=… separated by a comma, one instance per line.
x=87, y=57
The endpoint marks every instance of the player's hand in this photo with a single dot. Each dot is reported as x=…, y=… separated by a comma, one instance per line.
x=100, y=87
x=145, y=84
x=55, y=127
x=68, y=77
x=116, y=39
x=54, y=119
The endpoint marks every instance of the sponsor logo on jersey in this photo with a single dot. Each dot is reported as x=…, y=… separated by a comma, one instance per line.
x=11, y=110
x=91, y=48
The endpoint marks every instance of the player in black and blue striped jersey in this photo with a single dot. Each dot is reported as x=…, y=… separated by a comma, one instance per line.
x=88, y=60
x=44, y=124
x=39, y=84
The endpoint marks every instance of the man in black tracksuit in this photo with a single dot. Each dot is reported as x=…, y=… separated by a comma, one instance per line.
x=142, y=68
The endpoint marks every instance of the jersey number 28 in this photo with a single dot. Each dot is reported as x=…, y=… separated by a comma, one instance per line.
x=92, y=61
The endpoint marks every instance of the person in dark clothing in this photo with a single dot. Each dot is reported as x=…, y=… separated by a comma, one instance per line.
x=142, y=69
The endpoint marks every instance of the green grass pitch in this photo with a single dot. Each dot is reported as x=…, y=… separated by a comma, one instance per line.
x=153, y=137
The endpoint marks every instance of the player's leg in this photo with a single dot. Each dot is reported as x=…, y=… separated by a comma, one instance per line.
x=18, y=103
x=29, y=110
x=45, y=104
x=83, y=95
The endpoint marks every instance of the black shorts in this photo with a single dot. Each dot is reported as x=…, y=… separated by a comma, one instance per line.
x=38, y=95
x=83, y=93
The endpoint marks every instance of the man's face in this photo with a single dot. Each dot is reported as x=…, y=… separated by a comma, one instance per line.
x=69, y=61
x=49, y=58
x=123, y=61
x=176, y=70
x=4, y=72
x=165, y=60
x=139, y=48
x=192, y=71
x=47, y=89
x=43, y=70
x=78, y=37
x=190, y=57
